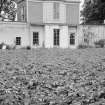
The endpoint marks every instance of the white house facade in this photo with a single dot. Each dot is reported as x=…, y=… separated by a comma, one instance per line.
x=43, y=23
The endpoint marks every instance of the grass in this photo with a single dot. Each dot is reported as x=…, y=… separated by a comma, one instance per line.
x=52, y=77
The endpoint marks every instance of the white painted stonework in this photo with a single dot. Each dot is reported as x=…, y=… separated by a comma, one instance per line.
x=48, y=36
x=64, y=36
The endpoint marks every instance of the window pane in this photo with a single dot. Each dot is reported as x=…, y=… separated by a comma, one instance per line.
x=56, y=10
x=18, y=40
x=56, y=37
x=35, y=38
x=72, y=38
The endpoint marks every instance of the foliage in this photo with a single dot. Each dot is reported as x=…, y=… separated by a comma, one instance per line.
x=26, y=47
x=8, y=9
x=93, y=12
x=83, y=46
x=1, y=45
x=52, y=77
x=100, y=43
x=6, y=46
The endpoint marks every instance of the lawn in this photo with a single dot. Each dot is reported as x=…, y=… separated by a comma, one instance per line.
x=52, y=77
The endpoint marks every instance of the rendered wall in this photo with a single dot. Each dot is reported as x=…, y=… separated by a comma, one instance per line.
x=35, y=12
x=95, y=33
x=43, y=12
x=72, y=13
x=9, y=31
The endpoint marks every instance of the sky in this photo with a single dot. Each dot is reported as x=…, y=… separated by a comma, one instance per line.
x=81, y=9
x=81, y=4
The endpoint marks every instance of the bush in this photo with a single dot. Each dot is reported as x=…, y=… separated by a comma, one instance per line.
x=83, y=46
x=1, y=45
x=28, y=48
x=100, y=43
x=6, y=46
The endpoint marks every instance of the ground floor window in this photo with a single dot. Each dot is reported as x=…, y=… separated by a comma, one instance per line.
x=18, y=40
x=35, y=38
x=72, y=38
x=56, y=37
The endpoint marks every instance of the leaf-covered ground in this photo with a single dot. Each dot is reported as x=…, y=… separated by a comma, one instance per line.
x=52, y=77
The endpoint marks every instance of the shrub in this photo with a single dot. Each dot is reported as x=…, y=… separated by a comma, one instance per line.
x=82, y=46
x=1, y=45
x=28, y=47
x=6, y=46
x=100, y=43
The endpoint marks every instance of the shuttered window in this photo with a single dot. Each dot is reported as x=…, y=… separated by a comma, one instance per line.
x=56, y=10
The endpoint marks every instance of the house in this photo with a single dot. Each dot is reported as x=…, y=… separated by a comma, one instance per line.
x=44, y=23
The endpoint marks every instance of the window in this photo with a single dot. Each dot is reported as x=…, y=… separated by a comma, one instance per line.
x=35, y=38
x=56, y=37
x=72, y=38
x=22, y=13
x=18, y=40
x=56, y=10
x=86, y=38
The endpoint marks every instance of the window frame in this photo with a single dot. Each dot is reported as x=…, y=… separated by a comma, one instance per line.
x=56, y=10
x=72, y=39
x=22, y=13
x=36, y=38
x=56, y=37
x=18, y=41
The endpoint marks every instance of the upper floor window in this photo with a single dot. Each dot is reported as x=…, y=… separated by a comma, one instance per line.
x=56, y=10
x=22, y=13
x=56, y=37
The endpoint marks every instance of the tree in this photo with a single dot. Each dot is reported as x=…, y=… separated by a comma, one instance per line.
x=93, y=12
x=8, y=9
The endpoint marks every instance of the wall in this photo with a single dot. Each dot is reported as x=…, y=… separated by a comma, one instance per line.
x=39, y=29
x=43, y=11
x=64, y=36
x=35, y=12
x=95, y=33
x=9, y=31
x=72, y=13
x=48, y=13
